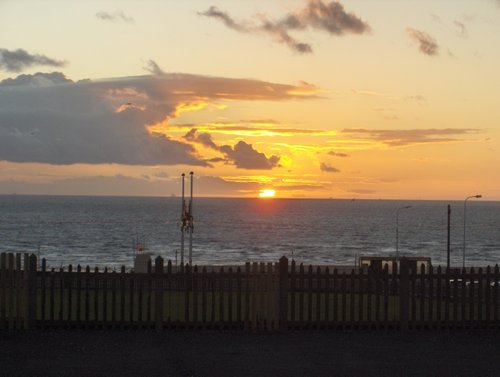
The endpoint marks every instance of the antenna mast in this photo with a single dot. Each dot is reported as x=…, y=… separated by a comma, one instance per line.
x=191, y=225
x=183, y=222
x=187, y=224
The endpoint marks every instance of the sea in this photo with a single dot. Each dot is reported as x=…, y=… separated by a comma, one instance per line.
x=103, y=231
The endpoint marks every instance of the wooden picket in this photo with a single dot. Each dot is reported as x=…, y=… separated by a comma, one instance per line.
x=279, y=296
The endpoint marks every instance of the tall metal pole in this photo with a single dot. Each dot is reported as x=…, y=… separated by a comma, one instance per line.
x=397, y=229
x=465, y=204
x=448, y=239
x=191, y=223
x=183, y=214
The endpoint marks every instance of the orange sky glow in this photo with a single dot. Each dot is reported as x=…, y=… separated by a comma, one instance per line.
x=393, y=100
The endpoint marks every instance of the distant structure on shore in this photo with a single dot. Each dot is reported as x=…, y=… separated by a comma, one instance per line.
x=187, y=225
x=143, y=258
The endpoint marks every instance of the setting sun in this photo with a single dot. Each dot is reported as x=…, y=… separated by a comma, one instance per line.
x=267, y=193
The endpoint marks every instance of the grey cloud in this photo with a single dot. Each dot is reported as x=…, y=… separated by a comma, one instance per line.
x=427, y=44
x=19, y=60
x=305, y=187
x=202, y=138
x=153, y=68
x=106, y=121
x=242, y=155
x=216, y=13
x=116, y=16
x=71, y=123
x=161, y=174
x=217, y=159
x=417, y=98
x=211, y=185
x=328, y=168
x=279, y=32
x=395, y=138
x=461, y=29
x=37, y=79
x=328, y=17
x=338, y=154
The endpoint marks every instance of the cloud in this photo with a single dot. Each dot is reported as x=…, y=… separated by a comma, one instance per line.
x=161, y=175
x=116, y=16
x=37, y=80
x=304, y=187
x=19, y=60
x=461, y=29
x=396, y=138
x=338, y=154
x=216, y=13
x=330, y=17
x=327, y=17
x=328, y=168
x=202, y=138
x=153, y=68
x=279, y=32
x=427, y=44
x=126, y=185
x=47, y=118
x=417, y=98
x=242, y=155
x=252, y=131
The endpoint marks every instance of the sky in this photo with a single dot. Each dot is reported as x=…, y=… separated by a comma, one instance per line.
x=365, y=99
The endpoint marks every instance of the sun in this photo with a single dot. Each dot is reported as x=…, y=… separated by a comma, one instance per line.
x=267, y=193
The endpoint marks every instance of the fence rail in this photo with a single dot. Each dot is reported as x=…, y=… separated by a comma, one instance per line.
x=272, y=296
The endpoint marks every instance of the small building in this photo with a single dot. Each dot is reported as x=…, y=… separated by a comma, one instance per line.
x=142, y=259
x=141, y=262
x=377, y=263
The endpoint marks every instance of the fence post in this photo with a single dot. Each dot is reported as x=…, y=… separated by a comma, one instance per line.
x=283, y=293
x=4, y=290
x=404, y=278
x=159, y=293
x=31, y=292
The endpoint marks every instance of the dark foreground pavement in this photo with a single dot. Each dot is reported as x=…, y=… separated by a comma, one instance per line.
x=220, y=354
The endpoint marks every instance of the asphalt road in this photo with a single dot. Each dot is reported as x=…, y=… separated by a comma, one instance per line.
x=219, y=354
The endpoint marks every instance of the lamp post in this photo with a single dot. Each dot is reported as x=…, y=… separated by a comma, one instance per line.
x=465, y=206
x=397, y=229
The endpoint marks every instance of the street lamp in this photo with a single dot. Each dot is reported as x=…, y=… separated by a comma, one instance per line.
x=465, y=203
x=397, y=229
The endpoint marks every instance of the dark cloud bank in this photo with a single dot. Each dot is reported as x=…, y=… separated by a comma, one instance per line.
x=48, y=118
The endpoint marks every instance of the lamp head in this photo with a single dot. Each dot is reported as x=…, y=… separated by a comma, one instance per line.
x=478, y=196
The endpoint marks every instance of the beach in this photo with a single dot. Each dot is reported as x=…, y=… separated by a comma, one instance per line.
x=220, y=354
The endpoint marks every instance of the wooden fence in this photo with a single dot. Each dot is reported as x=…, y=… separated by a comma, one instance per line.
x=273, y=296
